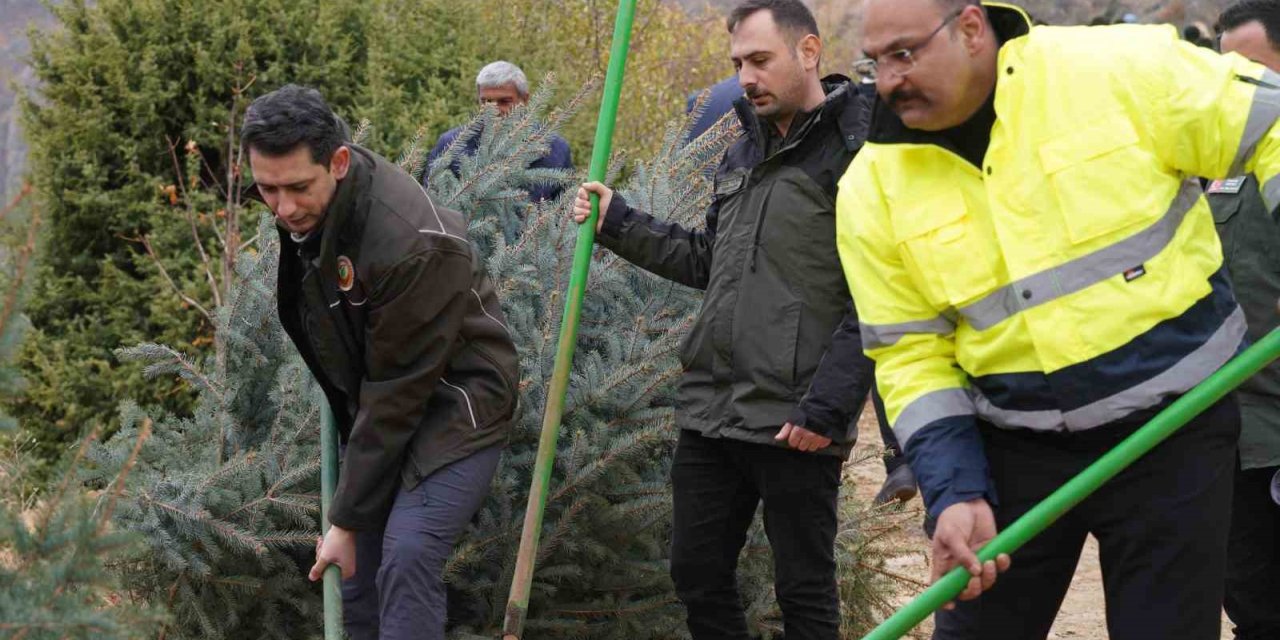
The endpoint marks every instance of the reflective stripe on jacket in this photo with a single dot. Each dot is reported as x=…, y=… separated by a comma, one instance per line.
x=1075, y=278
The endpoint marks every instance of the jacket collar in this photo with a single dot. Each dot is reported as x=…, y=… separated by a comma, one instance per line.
x=1008, y=21
x=841, y=92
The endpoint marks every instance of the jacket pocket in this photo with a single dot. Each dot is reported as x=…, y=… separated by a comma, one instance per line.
x=1093, y=174
x=954, y=256
x=480, y=386
x=766, y=326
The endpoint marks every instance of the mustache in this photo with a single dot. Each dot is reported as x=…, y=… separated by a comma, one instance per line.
x=902, y=95
x=754, y=92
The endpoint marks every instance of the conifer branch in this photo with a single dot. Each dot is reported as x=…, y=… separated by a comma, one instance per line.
x=164, y=273
x=22, y=262
x=143, y=434
x=16, y=201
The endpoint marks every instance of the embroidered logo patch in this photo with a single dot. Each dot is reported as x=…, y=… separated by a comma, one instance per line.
x=1135, y=273
x=346, y=273
x=1230, y=185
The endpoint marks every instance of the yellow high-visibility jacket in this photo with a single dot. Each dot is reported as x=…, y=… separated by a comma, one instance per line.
x=1074, y=278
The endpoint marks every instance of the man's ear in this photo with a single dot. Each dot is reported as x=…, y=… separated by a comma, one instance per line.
x=809, y=49
x=340, y=162
x=973, y=28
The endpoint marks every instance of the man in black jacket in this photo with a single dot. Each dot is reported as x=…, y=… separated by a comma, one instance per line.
x=391, y=309
x=774, y=375
x=1249, y=234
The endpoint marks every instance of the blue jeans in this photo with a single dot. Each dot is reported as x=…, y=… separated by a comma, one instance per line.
x=398, y=590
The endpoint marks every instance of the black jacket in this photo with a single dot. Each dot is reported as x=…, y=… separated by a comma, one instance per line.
x=393, y=313
x=1249, y=240
x=777, y=339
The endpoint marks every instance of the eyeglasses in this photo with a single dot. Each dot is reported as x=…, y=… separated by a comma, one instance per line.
x=901, y=62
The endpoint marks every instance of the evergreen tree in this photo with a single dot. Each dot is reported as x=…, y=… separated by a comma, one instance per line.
x=53, y=550
x=122, y=87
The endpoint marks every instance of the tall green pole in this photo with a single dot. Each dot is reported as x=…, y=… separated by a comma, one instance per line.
x=1080, y=487
x=518, y=602
x=329, y=482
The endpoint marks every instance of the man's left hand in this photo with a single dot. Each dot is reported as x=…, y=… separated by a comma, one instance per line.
x=338, y=546
x=802, y=439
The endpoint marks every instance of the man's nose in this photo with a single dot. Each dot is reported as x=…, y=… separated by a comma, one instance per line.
x=285, y=206
x=887, y=83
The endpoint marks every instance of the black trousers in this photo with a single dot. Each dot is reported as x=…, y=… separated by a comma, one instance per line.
x=1159, y=525
x=891, y=462
x=717, y=485
x=1253, y=557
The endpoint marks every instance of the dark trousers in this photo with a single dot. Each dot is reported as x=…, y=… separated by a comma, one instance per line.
x=895, y=459
x=717, y=485
x=398, y=590
x=1159, y=525
x=1253, y=557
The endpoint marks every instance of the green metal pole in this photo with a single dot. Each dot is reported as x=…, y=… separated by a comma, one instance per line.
x=329, y=482
x=518, y=602
x=1080, y=487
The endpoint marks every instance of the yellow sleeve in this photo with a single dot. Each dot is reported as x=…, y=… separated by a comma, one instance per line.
x=1214, y=116
x=913, y=345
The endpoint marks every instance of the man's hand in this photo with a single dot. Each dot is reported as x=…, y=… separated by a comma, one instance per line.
x=582, y=205
x=962, y=529
x=338, y=546
x=801, y=439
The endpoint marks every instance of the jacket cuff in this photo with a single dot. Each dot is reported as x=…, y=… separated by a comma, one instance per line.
x=614, y=216
x=950, y=464
x=801, y=418
x=341, y=517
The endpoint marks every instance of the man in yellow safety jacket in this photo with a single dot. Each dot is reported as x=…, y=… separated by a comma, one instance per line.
x=1037, y=274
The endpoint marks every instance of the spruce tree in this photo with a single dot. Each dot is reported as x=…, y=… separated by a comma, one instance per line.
x=54, y=546
x=122, y=87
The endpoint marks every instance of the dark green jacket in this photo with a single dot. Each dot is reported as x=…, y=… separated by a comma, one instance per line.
x=777, y=339
x=1251, y=248
x=409, y=345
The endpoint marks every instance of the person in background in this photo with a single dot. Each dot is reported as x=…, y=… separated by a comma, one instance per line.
x=505, y=86
x=1250, y=243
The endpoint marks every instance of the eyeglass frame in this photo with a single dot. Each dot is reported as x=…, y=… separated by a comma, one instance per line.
x=909, y=53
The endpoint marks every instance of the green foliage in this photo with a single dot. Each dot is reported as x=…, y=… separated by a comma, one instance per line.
x=227, y=498
x=53, y=547
x=673, y=54
x=124, y=82
x=54, y=580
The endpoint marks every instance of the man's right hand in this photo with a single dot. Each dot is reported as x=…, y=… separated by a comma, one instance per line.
x=582, y=205
x=962, y=529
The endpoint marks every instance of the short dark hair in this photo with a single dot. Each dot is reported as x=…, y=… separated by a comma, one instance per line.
x=790, y=16
x=1241, y=13
x=276, y=123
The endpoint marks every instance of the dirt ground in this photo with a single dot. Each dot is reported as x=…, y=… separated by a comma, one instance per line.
x=1082, y=616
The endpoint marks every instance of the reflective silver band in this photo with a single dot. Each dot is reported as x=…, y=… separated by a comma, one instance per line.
x=930, y=408
x=1180, y=378
x=877, y=336
x=1085, y=271
x=1263, y=113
